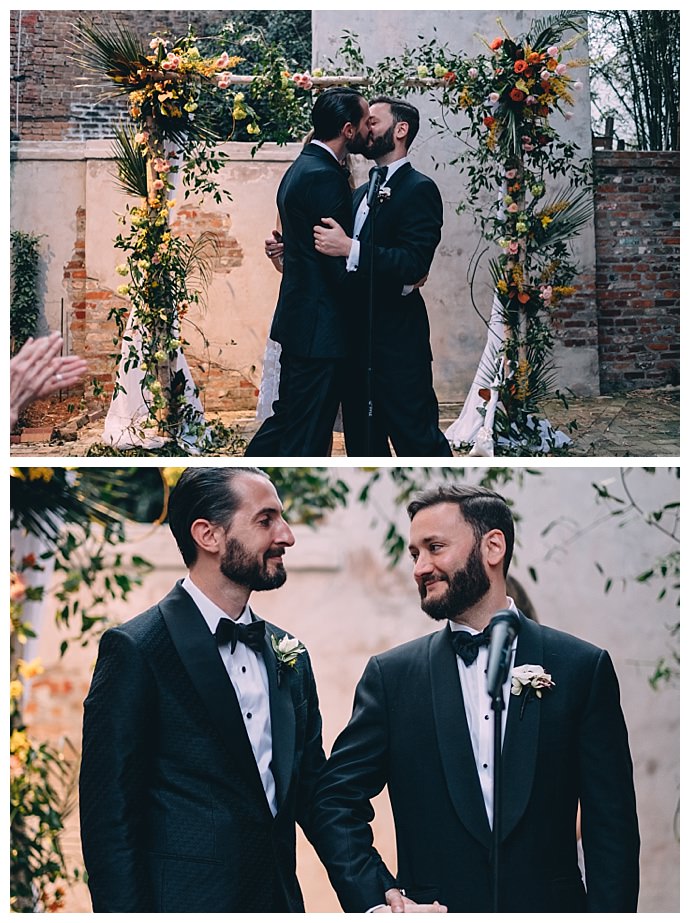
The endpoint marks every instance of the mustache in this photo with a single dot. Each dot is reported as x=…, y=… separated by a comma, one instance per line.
x=274, y=553
x=426, y=581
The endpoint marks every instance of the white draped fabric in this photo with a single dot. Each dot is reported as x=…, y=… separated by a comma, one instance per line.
x=124, y=423
x=477, y=430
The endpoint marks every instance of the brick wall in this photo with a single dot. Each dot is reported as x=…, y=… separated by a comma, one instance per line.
x=49, y=100
x=637, y=226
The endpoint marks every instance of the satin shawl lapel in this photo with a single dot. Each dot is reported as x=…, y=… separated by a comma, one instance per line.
x=282, y=720
x=382, y=208
x=201, y=659
x=453, y=736
x=522, y=734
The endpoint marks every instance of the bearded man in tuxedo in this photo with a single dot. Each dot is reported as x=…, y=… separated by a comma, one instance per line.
x=421, y=726
x=202, y=731
x=311, y=314
x=407, y=219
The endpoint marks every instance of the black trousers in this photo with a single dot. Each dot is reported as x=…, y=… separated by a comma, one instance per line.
x=303, y=416
x=405, y=411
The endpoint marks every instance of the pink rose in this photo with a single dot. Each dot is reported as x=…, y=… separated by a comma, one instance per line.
x=222, y=61
x=472, y=73
x=561, y=69
x=511, y=174
x=513, y=208
x=224, y=81
x=513, y=247
x=158, y=184
x=552, y=51
x=494, y=97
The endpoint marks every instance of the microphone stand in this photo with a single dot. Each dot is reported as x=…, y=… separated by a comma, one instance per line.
x=497, y=704
x=373, y=201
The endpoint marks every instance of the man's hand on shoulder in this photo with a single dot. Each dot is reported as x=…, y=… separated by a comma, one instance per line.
x=398, y=903
x=331, y=240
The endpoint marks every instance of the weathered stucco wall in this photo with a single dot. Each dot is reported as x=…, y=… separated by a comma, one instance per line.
x=344, y=602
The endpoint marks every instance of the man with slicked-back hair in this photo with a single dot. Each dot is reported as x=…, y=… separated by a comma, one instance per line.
x=202, y=732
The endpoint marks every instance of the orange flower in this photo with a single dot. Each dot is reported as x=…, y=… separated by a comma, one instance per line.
x=496, y=44
x=520, y=66
x=523, y=297
x=534, y=57
x=29, y=560
x=489, y=120
x=449, y=78
x=517, y=95
x=551, y=64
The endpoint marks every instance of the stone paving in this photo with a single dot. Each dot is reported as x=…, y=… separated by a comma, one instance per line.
x=633, y=424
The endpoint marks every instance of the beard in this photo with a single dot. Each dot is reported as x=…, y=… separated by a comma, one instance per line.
x=238, y=565
x=466, y=587
x=381, y=145
x=358, y=144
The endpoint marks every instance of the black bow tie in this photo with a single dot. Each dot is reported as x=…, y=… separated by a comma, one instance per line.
x=382, y=172
x=231, y=632
x=467, y=646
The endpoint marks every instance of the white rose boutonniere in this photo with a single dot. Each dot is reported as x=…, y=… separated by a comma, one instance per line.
x=287, y=650
x=384, y=194
x=531, y=679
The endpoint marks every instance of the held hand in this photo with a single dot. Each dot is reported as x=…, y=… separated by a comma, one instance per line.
x=274, y=248
x=421, y=281
x=397, y=903
x=331, y=240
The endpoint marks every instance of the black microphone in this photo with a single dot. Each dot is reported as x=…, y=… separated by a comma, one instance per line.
x=376, y=175
x=503, y=627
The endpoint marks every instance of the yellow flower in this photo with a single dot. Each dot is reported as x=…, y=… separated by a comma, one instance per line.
x=253, y=129
x=17, y=473
x=545, y=221
x=171, y=475
x=238, y=113
x=19, y=744
x=41, y=474
x=29, y=669
x=16, y=690
x=465, y=100
x=502, y=286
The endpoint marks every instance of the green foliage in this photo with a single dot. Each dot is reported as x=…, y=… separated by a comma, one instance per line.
x=24, y=306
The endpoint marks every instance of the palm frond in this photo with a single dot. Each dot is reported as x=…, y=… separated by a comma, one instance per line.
x=567, y=221
x=199, y=256
x=548, y=30
x=117, y=53
x=131, y=163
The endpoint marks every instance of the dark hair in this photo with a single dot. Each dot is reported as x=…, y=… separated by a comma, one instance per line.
x=203, y=493
x=481, y=508
x=333, y=109
x=402, y=111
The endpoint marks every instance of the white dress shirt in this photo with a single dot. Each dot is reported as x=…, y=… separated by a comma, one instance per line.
x=325, y=147
x=247, y=672
x=480, y=716
x=361, y=217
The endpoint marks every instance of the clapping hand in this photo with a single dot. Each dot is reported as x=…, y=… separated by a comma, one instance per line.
x=38, y=370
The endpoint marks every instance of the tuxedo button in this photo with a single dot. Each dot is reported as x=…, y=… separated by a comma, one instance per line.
x=485, y=765
x=249, y=714
x=244, y=669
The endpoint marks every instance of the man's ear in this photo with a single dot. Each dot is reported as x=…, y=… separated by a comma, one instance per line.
x=402, y=129
x=206, y=535
x=494, y=547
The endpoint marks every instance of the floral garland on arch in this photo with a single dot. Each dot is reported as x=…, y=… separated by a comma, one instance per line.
x=499, y=105
x=509, y=97
x=182, y=106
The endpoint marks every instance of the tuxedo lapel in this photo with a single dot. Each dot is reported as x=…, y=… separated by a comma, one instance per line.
x=282, y=723
x=457, y=755
x=201, y=658
x=522, y=733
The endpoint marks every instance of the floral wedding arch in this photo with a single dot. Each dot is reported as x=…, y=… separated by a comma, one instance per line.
x=525, y=185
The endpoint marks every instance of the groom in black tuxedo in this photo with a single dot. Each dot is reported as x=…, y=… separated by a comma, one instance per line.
x=422, y=726
x=311, y=314
x=408, y=215
x=202, y=742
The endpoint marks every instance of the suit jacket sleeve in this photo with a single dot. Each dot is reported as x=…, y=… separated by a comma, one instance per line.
x=313, y=758
x=610, y=836
x=417, y=235
x=119, y=723
x=329, y=199
x=342, y=812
